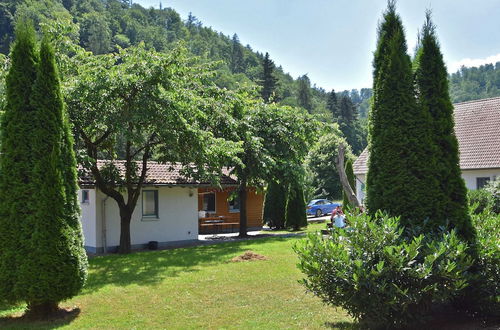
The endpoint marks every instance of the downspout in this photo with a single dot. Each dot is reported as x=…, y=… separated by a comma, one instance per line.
x=103, y=231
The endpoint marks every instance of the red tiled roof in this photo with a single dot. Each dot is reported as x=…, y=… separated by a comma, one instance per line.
x=158, y=173
x=477, y=127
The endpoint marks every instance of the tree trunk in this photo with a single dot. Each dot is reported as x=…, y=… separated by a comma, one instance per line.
x=125, y=217
x=339, y=164
x=41, y=311
x=243, y=207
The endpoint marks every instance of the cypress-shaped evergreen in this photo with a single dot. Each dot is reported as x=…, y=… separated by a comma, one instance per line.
x=269, y=80
x=332, y=105
x=275, y=205
x=53, y=263
x=296, y=208
x=401, y=178
x=431, y=79
x=349, y=171
x=17, y=194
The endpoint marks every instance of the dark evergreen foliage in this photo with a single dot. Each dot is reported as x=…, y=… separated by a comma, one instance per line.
x=296, y=207
x=47, y=247
x=332, y=105
x=450, y=199
x=275, y=205
x=237, y=60
x=269, y=80
x=304, y=93
x=352, y=182
x=17, y=193
x=400, y=177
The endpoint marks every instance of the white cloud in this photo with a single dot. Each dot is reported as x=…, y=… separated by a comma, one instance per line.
x=470, y=62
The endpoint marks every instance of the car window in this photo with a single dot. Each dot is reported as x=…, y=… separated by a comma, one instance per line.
x=318, y=203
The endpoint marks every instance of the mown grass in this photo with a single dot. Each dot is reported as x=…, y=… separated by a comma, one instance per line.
x=195, y=287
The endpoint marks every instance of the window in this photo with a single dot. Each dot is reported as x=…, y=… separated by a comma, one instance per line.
x=481, y=182
x=85, y=197
x=209, y=202
x=234, y=204
x=150, y=203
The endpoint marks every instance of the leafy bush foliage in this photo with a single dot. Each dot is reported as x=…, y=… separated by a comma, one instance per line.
x=479, y=200
x=494, y=189
x=484, y=290
x=378, y=275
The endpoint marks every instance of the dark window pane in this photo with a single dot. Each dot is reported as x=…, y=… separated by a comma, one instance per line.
x=209, y=202
x=481, y=182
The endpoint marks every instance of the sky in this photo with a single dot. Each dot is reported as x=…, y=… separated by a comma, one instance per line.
x=333, y=40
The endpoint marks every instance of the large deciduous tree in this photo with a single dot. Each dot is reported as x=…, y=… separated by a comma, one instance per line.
x=138, y=105
x=401, y=178
x=431, y=80
x=42, y=260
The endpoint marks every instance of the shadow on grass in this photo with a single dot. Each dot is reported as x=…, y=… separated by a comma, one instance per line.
x=62, y=318
x=342, y=325
x=151, y=267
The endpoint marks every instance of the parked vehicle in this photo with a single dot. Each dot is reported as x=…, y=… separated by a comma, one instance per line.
x=318, y=207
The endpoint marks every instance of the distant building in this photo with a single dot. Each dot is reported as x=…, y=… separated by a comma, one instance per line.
x=477, y=127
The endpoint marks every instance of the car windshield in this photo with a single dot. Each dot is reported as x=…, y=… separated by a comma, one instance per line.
x=313, y=202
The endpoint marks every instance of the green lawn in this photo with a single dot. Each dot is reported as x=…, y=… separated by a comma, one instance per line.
x=197, y=288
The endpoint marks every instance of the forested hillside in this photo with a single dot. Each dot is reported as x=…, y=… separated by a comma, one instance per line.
x=475, y=83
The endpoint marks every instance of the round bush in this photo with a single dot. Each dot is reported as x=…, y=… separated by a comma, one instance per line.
x=382, y=278
x=479, y=200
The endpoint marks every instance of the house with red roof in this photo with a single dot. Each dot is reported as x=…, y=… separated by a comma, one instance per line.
x=173, y=209
x=477, y=127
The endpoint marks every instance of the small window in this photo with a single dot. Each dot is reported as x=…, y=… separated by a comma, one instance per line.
x=150, y=203
x=209, y=202
x=481, y=182
x=85, y=197
x=234, y=204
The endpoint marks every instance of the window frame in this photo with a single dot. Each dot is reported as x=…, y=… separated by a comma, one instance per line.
x=156, y=215
x=484, y=180
x=215, y=202
x=85, y=192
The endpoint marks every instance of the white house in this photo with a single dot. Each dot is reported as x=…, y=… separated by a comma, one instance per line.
x=477, y=127
x=167, y=211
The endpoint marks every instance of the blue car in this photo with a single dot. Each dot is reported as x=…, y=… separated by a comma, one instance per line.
x=318, y=207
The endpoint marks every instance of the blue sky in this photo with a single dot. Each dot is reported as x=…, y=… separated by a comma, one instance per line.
x=333, y=40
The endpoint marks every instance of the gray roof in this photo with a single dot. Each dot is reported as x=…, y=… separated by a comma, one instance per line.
x=477, y=127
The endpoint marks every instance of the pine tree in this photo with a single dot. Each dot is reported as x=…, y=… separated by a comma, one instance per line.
x=269, y=81
x=400, y=177
x=431, y=80
x=237, y=60
x=352, y=182
x=304, y=97
x=333, y=106
x=296, y=208
x=275, y=205
x=17, y=194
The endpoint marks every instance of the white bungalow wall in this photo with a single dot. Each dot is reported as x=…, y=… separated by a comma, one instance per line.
x=177, y=220
x=469, y=176
x=88, y=218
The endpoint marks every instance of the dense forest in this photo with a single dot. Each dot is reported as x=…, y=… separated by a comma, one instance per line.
x=475, y=83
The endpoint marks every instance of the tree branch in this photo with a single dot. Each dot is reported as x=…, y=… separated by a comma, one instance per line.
x=339, y=164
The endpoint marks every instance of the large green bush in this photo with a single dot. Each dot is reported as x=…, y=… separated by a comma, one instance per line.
x=494, y=189
x=381, y=277
x=479, y=200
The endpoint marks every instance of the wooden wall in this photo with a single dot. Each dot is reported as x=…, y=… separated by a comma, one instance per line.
x=255, y=202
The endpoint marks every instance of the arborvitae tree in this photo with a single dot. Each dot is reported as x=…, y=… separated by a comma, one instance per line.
x=304, y=93
x=431, y=78
x=269, y=79
x=237, y=60
x=352, y=182
x=332, y=105
x=296, y=207
x=401, y=178
x=17, y=194
x=56, y=231
x=275, y=205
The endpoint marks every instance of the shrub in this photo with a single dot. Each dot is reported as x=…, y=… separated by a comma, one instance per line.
x=380, y=277
x=484, y=293
x=479, y=200
x=494, y=189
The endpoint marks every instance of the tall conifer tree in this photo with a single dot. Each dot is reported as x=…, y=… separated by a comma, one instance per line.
x=275, y=205
x=296, y=207
x=237, y=60
x=52, y=263
x=431, y=78
x=400, y=177
x=332, y=105
x=17, y=194
x=304, y=96
x=269, y=80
